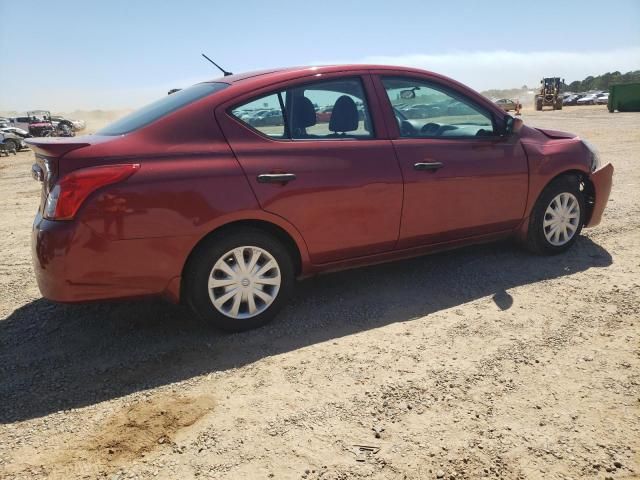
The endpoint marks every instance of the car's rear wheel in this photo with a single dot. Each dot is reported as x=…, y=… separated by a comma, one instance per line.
x=239, y=280
x=558, y=217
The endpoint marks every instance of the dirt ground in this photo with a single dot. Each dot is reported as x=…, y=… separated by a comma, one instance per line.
x=481, y=363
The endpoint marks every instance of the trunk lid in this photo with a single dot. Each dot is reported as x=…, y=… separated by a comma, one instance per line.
x=56, y=146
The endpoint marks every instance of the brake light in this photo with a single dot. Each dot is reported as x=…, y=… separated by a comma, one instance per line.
x=67, y=195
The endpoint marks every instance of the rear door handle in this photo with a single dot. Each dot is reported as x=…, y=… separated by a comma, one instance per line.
x=431, y=166
x=276, y=177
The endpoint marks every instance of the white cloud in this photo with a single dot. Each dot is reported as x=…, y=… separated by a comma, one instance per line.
x=506, y=69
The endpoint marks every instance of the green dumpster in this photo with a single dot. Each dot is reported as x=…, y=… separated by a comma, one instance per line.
x=624, y=98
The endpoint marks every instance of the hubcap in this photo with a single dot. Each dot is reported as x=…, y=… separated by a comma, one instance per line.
x=561, y=219
x=244, y=282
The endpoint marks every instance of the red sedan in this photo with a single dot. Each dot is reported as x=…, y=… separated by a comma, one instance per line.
x=187, y=198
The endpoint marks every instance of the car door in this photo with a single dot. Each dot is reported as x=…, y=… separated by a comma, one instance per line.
x=462, y=178
x=335, y=179
x=21, y=122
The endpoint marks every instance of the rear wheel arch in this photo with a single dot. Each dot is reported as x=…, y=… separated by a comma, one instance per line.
x=279, y=233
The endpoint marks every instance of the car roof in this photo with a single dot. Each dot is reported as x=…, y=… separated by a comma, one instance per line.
x=260, y=77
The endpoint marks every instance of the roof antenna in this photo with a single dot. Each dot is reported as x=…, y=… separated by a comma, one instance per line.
x=226, y=74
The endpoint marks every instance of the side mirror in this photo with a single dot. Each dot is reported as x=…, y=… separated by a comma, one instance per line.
x=407, y=94
x=512, y=125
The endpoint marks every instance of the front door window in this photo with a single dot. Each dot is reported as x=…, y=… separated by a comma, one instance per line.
x=425, y=110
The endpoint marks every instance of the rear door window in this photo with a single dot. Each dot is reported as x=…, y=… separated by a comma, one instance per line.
x=335, y=109
x=330, y=109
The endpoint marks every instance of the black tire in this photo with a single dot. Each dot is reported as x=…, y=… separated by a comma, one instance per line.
x=537, y=241
x=538, y=104
x=11, y=145
x=65, y=129
x=202, y=261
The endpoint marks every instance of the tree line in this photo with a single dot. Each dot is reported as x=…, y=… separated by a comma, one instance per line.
x=602, y=82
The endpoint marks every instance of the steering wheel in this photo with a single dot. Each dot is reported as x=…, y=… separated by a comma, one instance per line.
x=430, y=128
x=406, y=129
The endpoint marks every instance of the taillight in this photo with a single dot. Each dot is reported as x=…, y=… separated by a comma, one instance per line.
x=70, y=191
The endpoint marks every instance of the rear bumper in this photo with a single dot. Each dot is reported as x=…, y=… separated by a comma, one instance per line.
x=602, y=180
x=49, y=242
x=74, y=264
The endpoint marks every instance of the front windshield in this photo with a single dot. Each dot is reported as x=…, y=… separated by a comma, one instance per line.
x=160, y=108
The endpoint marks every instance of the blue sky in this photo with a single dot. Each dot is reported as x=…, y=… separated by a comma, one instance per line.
x=118, y=54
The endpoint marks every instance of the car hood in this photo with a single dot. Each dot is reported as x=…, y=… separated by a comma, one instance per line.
x=556, y=134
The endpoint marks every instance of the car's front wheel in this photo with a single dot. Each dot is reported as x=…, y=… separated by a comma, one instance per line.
x=557, y=217
x=12, y=145
x=239, y=280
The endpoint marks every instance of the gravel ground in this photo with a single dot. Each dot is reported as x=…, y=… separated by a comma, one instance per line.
x=485, y=362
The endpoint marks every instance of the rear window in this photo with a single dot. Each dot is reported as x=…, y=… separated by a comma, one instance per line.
x=160, y=108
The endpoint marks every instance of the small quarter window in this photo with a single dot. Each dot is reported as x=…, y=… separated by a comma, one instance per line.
x=264, y=114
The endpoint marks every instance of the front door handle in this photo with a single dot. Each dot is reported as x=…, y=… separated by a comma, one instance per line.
x=430, y=166
x=276, y=177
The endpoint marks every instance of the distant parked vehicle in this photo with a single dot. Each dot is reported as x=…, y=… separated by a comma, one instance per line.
x=40, y=123
x=508, y=104
x=589, y=99
x=603, y=99
x=268, y=118
x=36, y=122
x=250, y=116
x=572, y=99
x=421, y=110
x=16, y=131
x=324, y=114
x=62, y=123
x=12, y=142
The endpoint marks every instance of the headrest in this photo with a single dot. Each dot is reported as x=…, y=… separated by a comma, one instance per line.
x=303, y=114
x=344, y=117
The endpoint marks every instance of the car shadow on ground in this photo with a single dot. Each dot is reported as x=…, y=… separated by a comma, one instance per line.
x=56, y=357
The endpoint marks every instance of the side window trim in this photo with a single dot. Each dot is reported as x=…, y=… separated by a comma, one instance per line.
x=459, y=96
x=285, y=117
